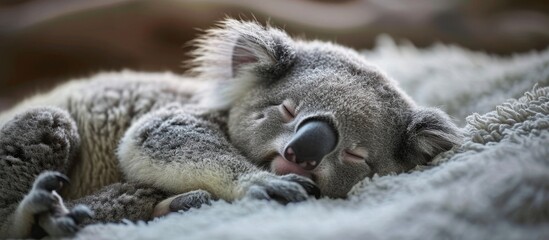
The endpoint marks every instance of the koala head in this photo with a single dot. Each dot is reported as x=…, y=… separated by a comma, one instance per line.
x=315, y=108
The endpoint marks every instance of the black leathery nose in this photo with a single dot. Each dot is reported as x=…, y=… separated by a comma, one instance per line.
x=312, y=141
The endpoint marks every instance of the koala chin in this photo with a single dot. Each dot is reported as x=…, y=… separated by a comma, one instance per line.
x=260, y=115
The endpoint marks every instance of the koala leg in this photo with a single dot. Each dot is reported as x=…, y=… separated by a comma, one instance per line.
x=36, y=147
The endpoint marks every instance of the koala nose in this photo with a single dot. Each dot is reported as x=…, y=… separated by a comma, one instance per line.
x=313, y=140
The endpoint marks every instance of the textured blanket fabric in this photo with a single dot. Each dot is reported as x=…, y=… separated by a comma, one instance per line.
x=494, y=186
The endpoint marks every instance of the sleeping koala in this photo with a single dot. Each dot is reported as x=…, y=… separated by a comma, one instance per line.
x=263, y=116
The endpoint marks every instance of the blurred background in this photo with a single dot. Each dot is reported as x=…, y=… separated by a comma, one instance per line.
x=46, y=42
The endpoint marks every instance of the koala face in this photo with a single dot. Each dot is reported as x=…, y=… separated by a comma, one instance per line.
x=316, y=109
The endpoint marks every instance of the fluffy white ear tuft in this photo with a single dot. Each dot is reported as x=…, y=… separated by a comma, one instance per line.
x=239, y=55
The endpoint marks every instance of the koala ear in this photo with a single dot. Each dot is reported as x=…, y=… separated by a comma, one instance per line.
x=239, y=55
x=428, y=133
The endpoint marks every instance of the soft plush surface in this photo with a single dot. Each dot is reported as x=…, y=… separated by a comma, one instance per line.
x=495, y=186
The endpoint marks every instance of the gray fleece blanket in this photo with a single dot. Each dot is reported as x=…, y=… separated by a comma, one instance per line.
x=494, y=186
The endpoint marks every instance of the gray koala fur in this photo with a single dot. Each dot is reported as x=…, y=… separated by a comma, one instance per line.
x=131, y=143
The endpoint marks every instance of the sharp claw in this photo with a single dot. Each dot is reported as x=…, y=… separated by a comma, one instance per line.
x=310, y=187
x=315, y=191
x=90, y=214
x=80, y=213
x=51, y=181
x=62, y=178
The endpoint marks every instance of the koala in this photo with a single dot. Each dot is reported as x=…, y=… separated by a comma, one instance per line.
x=260, y=116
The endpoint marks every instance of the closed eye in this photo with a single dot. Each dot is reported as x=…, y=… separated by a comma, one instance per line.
x=357, y=155
x=288, y=112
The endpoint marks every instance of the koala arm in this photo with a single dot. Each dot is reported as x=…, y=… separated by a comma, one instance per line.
x=180, y=149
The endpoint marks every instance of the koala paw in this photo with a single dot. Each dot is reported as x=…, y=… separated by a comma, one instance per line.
x=183, y=202
x=283, y=189
x=44, y=204
x=40, y=136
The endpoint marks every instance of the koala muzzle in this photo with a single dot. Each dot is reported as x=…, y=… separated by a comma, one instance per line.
x=312, y=141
